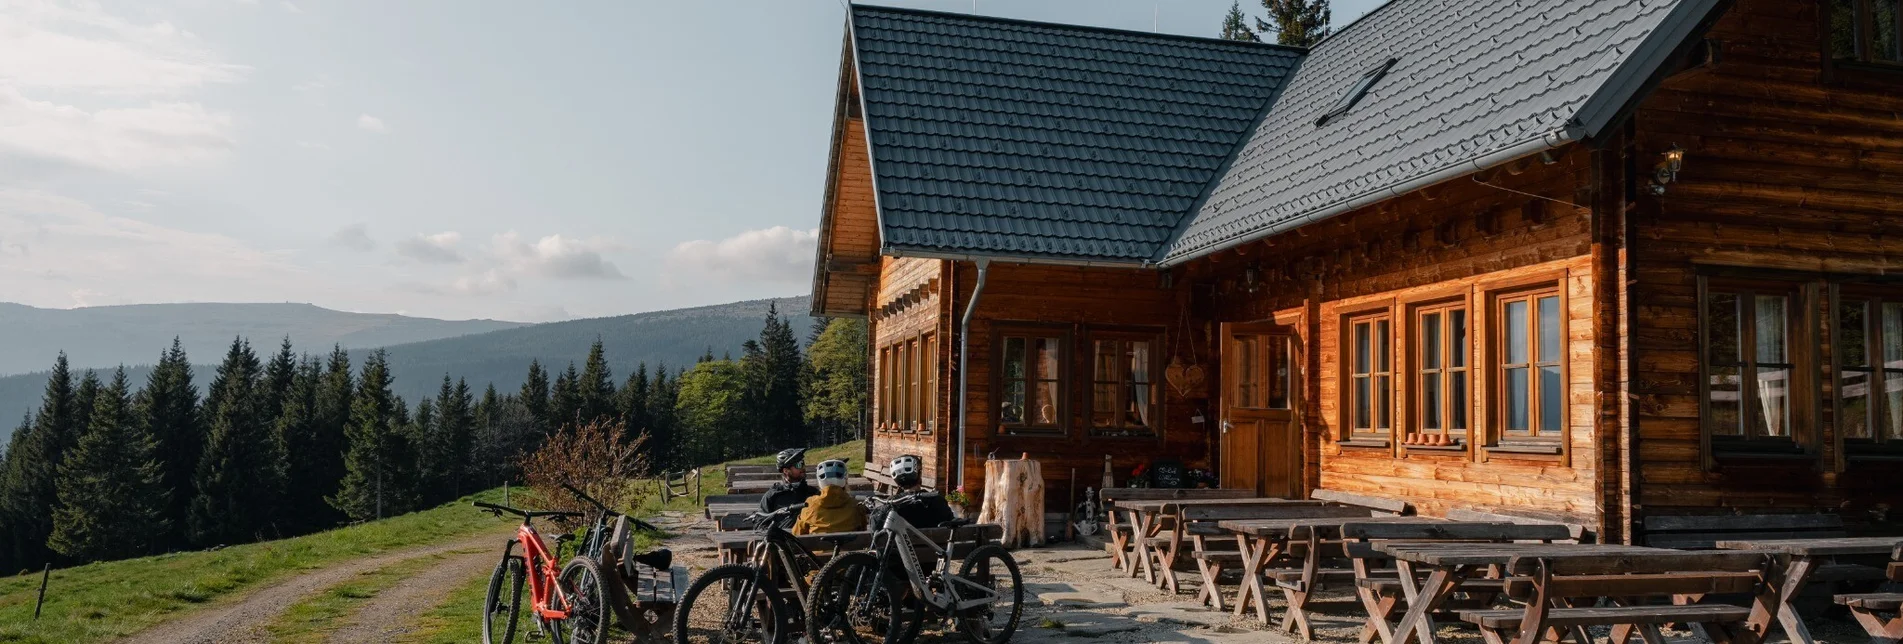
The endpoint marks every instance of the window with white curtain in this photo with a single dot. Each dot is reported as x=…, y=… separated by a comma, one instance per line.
x=1749, y=361
x=1123, y=385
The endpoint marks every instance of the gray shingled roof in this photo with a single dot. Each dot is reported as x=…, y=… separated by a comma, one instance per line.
x=1474, y=78
x=1032, y=141
x=1006, y=138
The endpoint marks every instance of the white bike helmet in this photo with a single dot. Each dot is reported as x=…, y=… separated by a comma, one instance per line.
x=832, y=473
x=905, y=470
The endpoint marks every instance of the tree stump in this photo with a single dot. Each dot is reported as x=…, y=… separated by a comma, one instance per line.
x=1014, y=499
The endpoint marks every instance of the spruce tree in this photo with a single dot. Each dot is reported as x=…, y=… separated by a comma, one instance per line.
x=780, y=413
x=296, y=432
x=432, y=457
x=238, y=488
x=9, y=555
x=112, y=499
x=534, y=397
x=29, y=491
x=335, y=395
x=84, y=397
x=836, y=393
x=1235, y=25
x=596, y=387
x=564, y=404
x=456, y=429
x=378, y=462
x=664, y=447
x=168, y=405
x=631, y=403
x=1300, y=23
x=277, y=381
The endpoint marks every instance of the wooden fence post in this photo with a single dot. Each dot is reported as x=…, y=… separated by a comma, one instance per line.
x=45, y=575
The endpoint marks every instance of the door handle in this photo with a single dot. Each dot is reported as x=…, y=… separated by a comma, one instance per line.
x=1226, y=426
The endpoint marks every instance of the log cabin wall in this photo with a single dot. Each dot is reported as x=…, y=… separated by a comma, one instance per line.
x=907, y=316
x=1073, y=303
x=1792, y=183
x=1457, y=241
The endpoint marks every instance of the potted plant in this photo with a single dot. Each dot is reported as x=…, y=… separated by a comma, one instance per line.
x=960, y=502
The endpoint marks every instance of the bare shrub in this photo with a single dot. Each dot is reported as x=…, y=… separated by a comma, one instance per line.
x=597, y=458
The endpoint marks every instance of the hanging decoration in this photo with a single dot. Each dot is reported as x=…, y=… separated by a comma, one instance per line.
x=1186, y=376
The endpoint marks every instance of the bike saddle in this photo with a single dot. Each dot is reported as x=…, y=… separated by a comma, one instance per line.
x=838, y=539
x=661, y=559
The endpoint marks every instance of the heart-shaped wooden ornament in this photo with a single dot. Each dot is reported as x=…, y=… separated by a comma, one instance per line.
x=1187, y=379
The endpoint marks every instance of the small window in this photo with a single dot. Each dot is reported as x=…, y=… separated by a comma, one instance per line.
x=1748, y=364
x=1441, y=386
x=888, y=408
x=1030, y=383
x=1356, y=93
x=1869, y=336
x=1123, y=399
x=910, y=383
x=930, y=394
x=1529, y=383
x=1370, y=377
x=1866, y=31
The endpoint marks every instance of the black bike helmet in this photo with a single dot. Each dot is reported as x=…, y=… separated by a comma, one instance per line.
x=794, y=457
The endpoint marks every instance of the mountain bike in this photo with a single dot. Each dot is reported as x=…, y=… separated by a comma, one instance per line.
x=745, y=602
x=549, y=603
x=878, y=596
x=643, y=589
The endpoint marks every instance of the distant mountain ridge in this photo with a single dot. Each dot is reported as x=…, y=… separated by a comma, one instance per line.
x=106, y=336
x=676, y=337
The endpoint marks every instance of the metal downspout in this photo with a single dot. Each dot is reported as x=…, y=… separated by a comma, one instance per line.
x=964, y=353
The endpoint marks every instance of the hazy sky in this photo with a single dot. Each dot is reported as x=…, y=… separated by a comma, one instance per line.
x=447, y=158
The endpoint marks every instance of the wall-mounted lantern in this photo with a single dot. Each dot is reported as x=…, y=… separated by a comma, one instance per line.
x=1666, y=172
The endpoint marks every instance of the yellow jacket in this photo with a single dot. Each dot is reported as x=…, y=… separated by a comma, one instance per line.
x=834, y=510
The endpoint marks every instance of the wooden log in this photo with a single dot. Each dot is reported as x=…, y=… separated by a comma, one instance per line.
x=1014, y=499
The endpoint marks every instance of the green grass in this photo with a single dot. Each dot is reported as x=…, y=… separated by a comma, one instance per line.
x=456, y=620
x=714, y=477
x=101, y=601
x=314, y=618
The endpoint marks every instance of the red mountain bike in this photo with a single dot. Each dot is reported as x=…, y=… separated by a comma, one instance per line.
x=549, y=603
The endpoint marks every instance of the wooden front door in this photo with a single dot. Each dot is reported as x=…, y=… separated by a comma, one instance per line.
x=1261, y=409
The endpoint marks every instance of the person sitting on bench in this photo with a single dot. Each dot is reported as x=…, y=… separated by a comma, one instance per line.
x=925, y=508
x=792, y=488
x=835, y=510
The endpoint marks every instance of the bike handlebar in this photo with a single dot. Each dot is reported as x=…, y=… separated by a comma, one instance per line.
x=526, y=515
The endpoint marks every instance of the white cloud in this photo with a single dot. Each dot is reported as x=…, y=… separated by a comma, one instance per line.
x=290, y=7
x=777, y=254
x=556, y=256
x=123, y=89
x=488, y=282
x=372, y=124
x=354, y=237
x=439, y=248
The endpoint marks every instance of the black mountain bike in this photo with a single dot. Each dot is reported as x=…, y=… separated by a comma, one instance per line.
x=606, y=574
x=749, y=602
x=882, y=595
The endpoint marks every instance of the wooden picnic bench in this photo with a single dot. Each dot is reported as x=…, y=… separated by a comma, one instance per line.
x=1263, y=540
x=1378, y=582
x=734, y=546
x=1122, y=532
x=1569, y=574
x=1159, y=555
x=757, y=487
x=729, y=511
x=1815, y=560
x=1378, y=505
x=1703, y=532
x=1866, y=607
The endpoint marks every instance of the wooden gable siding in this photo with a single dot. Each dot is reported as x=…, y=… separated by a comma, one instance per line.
x=1787, y=170
x=852, y=233
x=1074, y=300
x=1457, y=239
x=908, y=305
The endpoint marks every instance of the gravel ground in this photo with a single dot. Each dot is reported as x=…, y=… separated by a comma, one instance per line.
x=393, y=611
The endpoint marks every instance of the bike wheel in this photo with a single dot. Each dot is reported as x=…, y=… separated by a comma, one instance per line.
x=502, y=606
x=587, y=621
x=730, y=605
x=851, y=604
x=990, y=568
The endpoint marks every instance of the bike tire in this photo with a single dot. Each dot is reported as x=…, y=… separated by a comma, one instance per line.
x=503, y=602
x=843, y=582
x=709, y=605
x=588, y=611
x=989, y=565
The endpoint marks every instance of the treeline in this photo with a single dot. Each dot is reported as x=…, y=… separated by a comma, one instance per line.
x=299, y=443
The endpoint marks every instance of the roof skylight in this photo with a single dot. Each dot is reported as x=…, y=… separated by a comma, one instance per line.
x=1355, y=93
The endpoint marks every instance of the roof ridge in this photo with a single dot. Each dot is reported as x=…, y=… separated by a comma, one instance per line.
x=1221, y=42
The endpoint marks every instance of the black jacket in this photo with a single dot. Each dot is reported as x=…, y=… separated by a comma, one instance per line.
x=784, y=494
x=926, y=510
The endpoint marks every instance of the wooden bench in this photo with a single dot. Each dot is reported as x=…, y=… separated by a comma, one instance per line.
x=1377, y=577
x=1881, y=614
x=1121, y=531
x=733, y=546
x=1380, y=505
x=1549, y=586
x=680, y=484
x=1522, y=517
x=1703, y=532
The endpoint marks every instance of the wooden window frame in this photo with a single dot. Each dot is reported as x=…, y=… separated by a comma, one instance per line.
x=1001, y=334
x=1878, y=444
x=1862, y=64
x=1416, y=371
x=1155, y=340
x=1491, y=367
x=885, y=389
x=929, y=386
x=1801, y=344
x=1351, y=433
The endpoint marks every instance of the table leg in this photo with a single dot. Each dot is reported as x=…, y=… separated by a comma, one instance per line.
x=1297, y=617
x=1211, y=569
x=1379, y=605
x=1167, y=559
x=1139, y=547
x=1256, y=554
x=1796, y=576
x=1422, y=602
x=1118, y=541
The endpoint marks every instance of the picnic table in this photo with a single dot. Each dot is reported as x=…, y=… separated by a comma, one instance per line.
x=1264, y=540
x=1450, y=564
x=733, y=546
x=1816, y=560
x=747, y=487
x=1149, y=517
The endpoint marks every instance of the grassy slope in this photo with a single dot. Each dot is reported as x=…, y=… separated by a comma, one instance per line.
x=99, y=601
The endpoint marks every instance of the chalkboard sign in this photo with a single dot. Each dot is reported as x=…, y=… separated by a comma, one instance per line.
x=1167, y=474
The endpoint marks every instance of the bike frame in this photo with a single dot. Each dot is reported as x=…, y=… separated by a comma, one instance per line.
x=542, y=573
x=899, y=535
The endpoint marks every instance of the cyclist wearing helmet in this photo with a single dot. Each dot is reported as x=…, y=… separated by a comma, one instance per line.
x=835, y=510
x=792, y=488
x=926, y=509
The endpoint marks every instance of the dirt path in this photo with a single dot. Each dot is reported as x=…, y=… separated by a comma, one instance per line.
x=244, y=620
x=393, y=611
